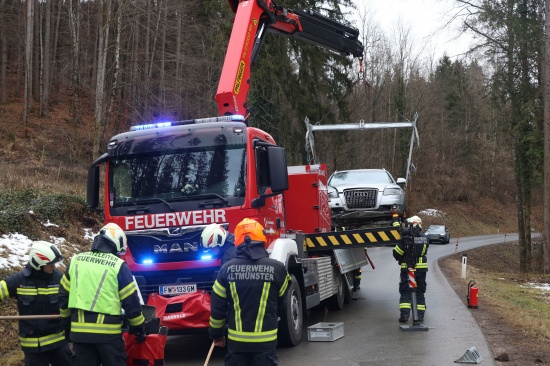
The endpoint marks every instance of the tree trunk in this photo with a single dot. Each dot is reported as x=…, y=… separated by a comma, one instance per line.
x=104, y=18
x=3, y=54
x=162, y=83
x=28, y=62
x=36, y=54
x=54, y=55
x=546, y=183
x=46, y=61
x=74, y=27
x=114, y=85
x=177, y=85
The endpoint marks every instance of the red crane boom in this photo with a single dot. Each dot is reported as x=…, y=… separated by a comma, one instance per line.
x=253, y=20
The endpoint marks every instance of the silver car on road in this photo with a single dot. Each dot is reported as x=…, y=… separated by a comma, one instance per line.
x=362, y=196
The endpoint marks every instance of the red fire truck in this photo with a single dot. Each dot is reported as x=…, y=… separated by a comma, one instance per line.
x=165, y=182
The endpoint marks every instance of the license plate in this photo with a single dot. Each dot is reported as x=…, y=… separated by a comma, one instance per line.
x=178, y=289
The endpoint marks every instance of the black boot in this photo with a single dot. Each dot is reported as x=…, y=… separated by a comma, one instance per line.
x=404, y=317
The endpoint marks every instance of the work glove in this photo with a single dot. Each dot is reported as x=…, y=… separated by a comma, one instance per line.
x=139, y=332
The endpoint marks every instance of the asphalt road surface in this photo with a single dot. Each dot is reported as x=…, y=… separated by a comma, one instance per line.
x=372, y=335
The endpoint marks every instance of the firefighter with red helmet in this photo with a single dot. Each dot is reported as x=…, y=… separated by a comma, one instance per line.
x=215, y=239
x=411, y=252
x=36, y=290
x=246, y=296
x=94, y=290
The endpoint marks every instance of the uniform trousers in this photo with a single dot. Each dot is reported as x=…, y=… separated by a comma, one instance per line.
x=60, y=356
x=405, y=293
x=268, y=358
x=106, y=354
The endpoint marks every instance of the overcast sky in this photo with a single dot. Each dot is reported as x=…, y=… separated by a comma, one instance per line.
x=426, y=20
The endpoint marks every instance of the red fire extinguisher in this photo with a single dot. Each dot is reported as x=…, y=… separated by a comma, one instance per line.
x=473, y=294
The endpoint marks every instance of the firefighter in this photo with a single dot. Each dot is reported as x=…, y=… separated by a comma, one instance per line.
x=93, y=290
x=220, y=242
x=247, y=295
x=36, y=288
x=416, y=254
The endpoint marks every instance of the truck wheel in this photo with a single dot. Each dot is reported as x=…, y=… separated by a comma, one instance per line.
x=292, y=320
x=336, y=301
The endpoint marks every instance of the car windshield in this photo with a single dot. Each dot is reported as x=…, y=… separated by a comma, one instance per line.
x=360, y=177
x=436, y=229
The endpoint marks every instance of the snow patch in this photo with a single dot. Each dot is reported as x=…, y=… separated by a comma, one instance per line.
x=14, y=247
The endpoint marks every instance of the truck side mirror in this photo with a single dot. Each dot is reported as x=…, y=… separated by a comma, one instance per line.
x=278, y=171
x=92, y=189
x=92, y=192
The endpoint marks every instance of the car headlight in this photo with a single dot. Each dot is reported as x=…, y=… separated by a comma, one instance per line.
x=333, y=194
x=392, y=192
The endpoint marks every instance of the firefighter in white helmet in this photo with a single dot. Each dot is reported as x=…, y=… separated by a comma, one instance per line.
x=35, y=288
x=412, y=247
x=94, y=290
x=218, y=241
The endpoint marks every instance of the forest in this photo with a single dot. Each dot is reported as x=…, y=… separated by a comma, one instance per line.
x=107, y=65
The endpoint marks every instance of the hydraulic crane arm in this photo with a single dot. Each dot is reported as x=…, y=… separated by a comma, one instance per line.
x=253, y=19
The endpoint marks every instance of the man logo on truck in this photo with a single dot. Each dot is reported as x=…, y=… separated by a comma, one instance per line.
x=175, y=248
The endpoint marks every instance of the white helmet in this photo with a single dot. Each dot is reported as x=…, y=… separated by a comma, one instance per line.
x=212, y=236
x=116, y=235
x=43, y=253
x=415, y=221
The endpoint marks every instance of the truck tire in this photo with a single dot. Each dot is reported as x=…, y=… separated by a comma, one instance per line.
x=348, y=294
x=292, y=317
x=336, y=301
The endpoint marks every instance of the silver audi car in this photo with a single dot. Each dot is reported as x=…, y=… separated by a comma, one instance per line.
x=362, y=196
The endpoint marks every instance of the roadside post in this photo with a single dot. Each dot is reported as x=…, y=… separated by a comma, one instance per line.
x=464, y=261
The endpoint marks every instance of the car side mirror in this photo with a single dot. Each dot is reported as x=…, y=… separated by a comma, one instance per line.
x=401, y=181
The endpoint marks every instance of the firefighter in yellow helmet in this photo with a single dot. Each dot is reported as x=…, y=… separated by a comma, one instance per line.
x=35, y=288
x=410, y=252
x=94, y=290
x=246, y=297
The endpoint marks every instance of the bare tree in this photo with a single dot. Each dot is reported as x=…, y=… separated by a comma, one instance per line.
x=46, y=61
x=74, y=27
x=3, y=54
x=117, y=69
x=104, y=20
x=28, y=62
x=546, y=184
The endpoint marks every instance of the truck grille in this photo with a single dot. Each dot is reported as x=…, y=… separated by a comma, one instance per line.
x=361, y=198
x=162, y=247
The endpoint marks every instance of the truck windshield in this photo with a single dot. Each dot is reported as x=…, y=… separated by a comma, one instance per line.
x=214, y=172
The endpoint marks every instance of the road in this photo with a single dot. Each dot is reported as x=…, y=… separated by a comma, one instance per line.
x=372, y=334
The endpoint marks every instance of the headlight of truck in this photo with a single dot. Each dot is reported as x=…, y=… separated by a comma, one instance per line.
x=392, y=192
x=332, y=193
